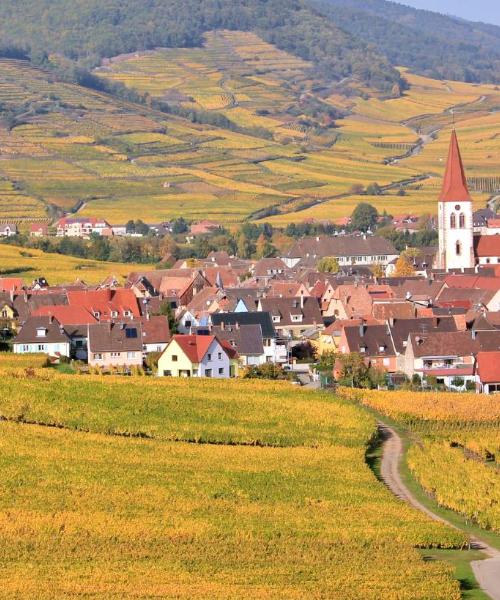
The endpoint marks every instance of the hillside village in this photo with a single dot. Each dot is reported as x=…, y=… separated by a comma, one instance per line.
x=227, y=316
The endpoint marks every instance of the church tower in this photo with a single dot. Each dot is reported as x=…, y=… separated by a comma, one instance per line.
x=456, y=232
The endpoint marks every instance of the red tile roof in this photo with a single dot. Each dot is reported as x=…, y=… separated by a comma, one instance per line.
x=488, y=367
x=454, y=183
x=67, y=315
x=106, y=301
x=10, y=284
x=487, y=245
x=196, y=346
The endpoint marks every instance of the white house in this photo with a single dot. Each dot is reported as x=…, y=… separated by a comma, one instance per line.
x=43, y=335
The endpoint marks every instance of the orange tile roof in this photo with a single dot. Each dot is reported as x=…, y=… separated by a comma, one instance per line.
x=488, y=366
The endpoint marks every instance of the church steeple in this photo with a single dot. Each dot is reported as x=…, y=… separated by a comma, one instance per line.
x=455, y=183
x=455, y=218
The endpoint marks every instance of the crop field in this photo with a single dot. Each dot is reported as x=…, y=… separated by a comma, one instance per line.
x=457, y=459
x=57, y=268
x=89, y=151
x=161, y=489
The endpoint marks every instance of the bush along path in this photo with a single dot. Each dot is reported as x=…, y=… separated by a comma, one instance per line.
x=487, y=572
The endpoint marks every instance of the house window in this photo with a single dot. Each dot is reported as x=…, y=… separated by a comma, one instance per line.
x=167, y=373
x=276, y=319
x=26, y=348
x=175, y=358
x=115, y=354
x=114, y=314
x=41, y=332
x=130, y=354
x=97, y=314
x=126, y=313
x=458, y=248
x=188, y=323
x=453, y=221
x=41, y=347
x=209, y=356
x=219, y=355
x=221, y=371
x=461, y=221
x=208, y=372
x=4, y=314
x=362, y=348
x=297, y=318
x=98, y=356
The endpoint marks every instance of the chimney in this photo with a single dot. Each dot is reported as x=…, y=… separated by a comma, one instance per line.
x=302, y=300
x=222, y=325
x=391, y=321
x=474, y=334
x=362, y=329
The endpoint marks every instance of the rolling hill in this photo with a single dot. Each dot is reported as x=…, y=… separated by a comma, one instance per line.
x=434, y=45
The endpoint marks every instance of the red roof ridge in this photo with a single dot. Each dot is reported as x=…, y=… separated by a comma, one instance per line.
x=454, y=182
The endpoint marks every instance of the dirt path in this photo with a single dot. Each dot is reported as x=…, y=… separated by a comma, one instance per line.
x=487, y=571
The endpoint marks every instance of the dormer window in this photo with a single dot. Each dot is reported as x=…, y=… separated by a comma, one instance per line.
x=297, y=318
x=41, y=332
x=114, y=314
x=382, y=348
x=276, y=318
x=97, y=314
x=362, y=348
x=126, y=313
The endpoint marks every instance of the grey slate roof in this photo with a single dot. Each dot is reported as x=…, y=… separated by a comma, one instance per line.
x=247, y=318
x=245, y=339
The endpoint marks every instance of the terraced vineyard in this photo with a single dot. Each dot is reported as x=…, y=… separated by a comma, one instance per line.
x=456, y=459
x=76, y=149
x=166, y=478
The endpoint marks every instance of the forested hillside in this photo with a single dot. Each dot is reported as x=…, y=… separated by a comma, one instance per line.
x=432, y=44
x=89, y=30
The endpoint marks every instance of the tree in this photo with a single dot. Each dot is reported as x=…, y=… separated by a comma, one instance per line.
x=378, y=270
x=374, y=189
x=328, y=264
x=364, y=217
x=179, y=225
x=166, y=311
x=403, y=267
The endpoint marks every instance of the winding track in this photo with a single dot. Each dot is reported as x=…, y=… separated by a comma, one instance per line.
x=487, y=571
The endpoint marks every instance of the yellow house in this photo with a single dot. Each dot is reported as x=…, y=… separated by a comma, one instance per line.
x=198, y=356
x=328, y=339
x=8, y=316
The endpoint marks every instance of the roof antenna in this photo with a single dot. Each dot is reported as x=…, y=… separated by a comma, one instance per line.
x=452, y=118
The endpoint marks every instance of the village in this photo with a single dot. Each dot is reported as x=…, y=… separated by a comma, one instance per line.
x=228, y=316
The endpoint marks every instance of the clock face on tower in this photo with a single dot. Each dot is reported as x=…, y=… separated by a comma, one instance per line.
x=457, y=206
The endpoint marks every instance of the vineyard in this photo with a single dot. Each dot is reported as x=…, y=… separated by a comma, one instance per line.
x=57, y=268
x=457, y=459
x=245, y=131
x=169, y=479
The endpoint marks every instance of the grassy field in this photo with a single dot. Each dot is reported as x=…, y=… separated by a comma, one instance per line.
x=179, y=489
x=57, y=268
x=456, y=457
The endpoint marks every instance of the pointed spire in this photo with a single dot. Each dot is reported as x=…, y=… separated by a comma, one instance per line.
x=454, y=183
